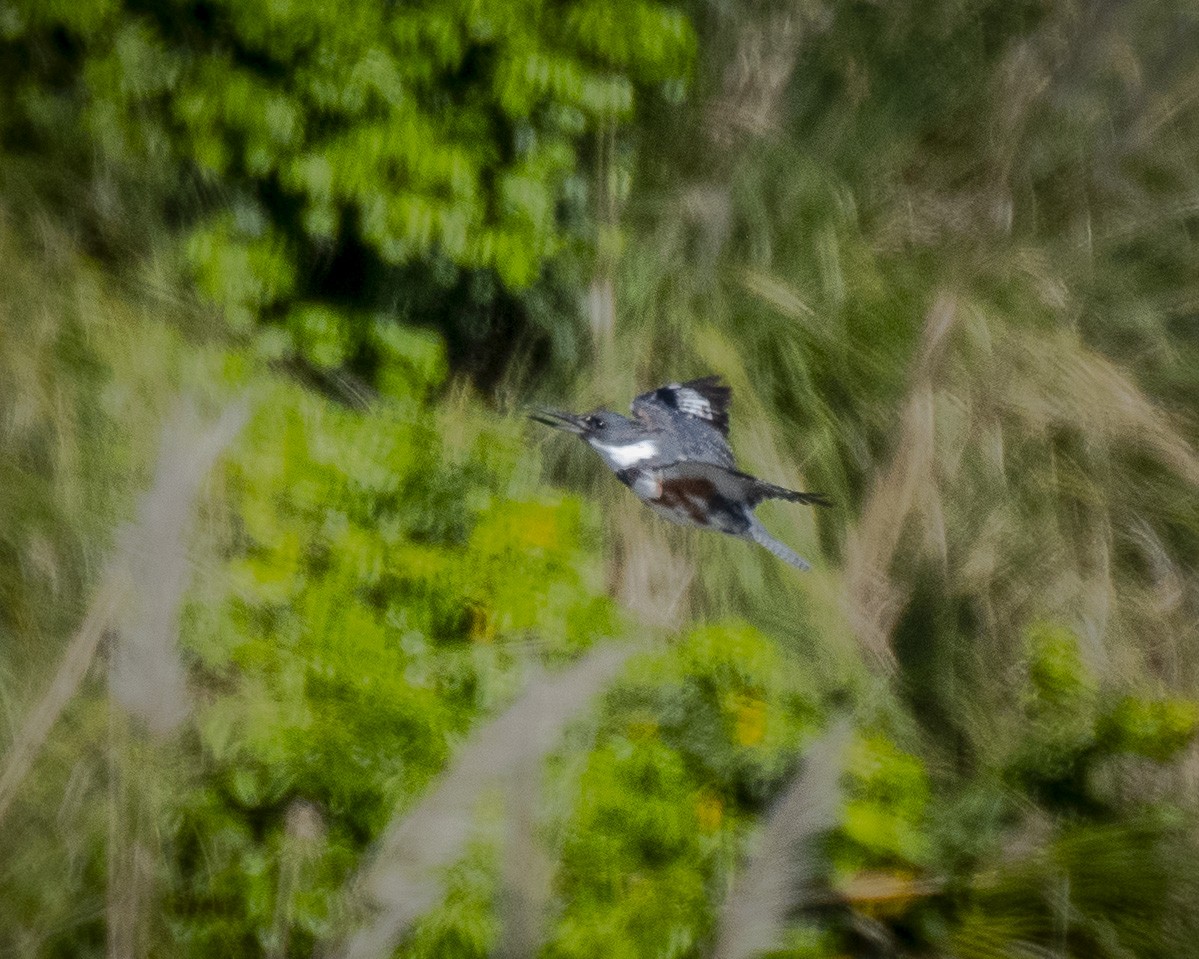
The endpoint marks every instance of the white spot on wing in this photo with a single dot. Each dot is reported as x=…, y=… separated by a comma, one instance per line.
x=693, y=402
x=629, y=453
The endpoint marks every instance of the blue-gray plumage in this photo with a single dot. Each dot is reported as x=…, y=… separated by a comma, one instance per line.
x=674, y=454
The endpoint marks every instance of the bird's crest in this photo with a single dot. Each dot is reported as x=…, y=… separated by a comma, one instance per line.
x=705, y=399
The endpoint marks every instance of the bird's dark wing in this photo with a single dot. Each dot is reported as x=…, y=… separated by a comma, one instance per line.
x=732, y=484
x=705, y=400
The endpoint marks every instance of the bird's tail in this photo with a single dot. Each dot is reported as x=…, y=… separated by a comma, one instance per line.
x=757, y=533
x=759, y=490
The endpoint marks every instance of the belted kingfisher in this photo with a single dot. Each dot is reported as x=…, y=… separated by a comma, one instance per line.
x=674, y=454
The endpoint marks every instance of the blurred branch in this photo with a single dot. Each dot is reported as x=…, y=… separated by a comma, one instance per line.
x=402, y=879
x=113, y=590
x=775, y=880
x=146, y=674
x=130, y=842
x=526, y=873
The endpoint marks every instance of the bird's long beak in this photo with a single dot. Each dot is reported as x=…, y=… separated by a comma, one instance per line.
x=559, y=420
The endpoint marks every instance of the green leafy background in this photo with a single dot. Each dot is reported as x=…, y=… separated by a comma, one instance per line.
x=943, y=253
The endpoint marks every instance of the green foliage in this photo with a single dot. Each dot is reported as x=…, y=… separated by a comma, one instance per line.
x=886, y=809
x=345, y=150
x=383, y=592
x=371, y=586
x=387, y=580
x=466, y=926
x=1058, y=680
x=1014, y=490
x=690, y=749
x=983, y=862
x=244, y=274
x=1103, y=890
x=1072, y=731
x=1158, y=729
x=1060, y=706
x=88, y=376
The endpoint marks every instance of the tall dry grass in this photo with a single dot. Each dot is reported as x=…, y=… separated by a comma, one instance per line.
x=146, y=675
x=403, y=877
x=776, y=879
x=972, y=341
x=136, y=604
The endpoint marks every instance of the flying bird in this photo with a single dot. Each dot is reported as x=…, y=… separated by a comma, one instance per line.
x=674, y=455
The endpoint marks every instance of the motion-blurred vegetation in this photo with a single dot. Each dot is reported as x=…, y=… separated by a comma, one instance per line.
x=328, y=163
x=350, y=690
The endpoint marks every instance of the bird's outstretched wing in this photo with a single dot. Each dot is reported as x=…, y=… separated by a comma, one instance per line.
x=731, y=484
x=705, y=400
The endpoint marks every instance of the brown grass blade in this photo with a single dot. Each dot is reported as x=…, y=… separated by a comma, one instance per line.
x=756, y=76
x=646, y=575
x=402, y=880
x=1065, y=382
x=304, y=839
x=74, y=666
x=874, y=599
x=775, y=878
x=132, y=856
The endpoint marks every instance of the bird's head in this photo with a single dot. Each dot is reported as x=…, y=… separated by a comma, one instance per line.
x=618, y=439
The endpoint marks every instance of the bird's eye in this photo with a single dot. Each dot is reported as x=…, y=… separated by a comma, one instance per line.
x=595, y=422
